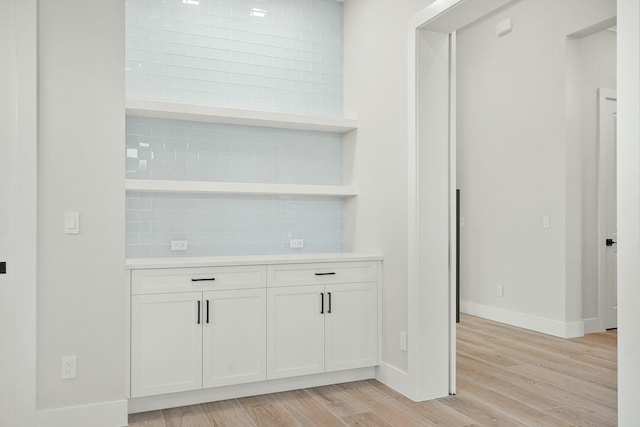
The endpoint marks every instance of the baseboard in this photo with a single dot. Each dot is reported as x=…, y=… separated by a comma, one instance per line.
x=523, y=320
x=593, y=325
x=173, y=400
x=103, y=414
x=393, y=377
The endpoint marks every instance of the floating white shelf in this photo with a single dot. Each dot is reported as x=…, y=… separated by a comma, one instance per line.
x=237, y=116
x=166, y=186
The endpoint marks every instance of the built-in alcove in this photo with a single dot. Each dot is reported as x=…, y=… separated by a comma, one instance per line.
x=235, y=128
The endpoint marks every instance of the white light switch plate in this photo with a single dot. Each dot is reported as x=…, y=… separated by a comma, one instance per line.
x=71, y=222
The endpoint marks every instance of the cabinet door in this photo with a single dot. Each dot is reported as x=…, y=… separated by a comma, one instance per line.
x=166, y=343
x=234, y=337
x=295, y=331
x=351, y=326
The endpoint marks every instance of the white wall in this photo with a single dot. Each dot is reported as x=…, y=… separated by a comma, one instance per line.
x=375, y=85
x=628, y=211
x=18, y=136
x=81, y=295
x=9, y=138
x=595, y=65
x=513, y=167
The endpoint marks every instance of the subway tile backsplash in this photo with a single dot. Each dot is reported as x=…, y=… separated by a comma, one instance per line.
x=230, y=225
x=278, y=55
x=193, y=151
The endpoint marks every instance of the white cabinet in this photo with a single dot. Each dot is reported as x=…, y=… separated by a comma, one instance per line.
x=166, y=343
x=202, y=327
x=351, y=327
x=315, y=328
x=295, y=331
x=234, y=337
x=184, y=341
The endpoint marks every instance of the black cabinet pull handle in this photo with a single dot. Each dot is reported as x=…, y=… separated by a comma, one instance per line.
x=198, y=312
x=610, y=242
x=207, y=311
x=321, y=302
x=329, y=311
x=325, y=274
x=210, y=279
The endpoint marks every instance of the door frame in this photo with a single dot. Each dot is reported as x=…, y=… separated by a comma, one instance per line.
x=23, y=211
x=603, y=96
x=431, y=275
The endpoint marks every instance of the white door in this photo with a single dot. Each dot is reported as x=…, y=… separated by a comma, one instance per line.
x=351, y=326
x=234, y=337
x=8, y=138
x=295, y=331
x=607, y=195
x=166, y=343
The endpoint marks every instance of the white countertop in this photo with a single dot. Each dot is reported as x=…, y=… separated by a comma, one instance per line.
x=214, y=261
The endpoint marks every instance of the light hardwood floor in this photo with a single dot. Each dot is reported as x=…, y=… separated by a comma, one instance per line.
x=506, y=377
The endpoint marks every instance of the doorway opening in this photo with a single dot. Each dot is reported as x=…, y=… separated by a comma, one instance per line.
x=532, y=195
x=591, y=67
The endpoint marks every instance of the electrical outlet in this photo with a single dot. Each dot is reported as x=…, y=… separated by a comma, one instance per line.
x=403, y=341
x=68, y=367
x=179, y=245
x=296, y=243
x=500, y=291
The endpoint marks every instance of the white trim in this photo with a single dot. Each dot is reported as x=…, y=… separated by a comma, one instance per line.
x=167, y=186
x=573, y=329
x=428, y=327
x=523, y=320
x=455, y=14
x=103, y=414
x=237, y=116
x=628, y=156
x=425, y=243
x=593, y=325
x=26, y=210
x=412, y=200
x=452, y=209
x=394, y=378
x=185, y=398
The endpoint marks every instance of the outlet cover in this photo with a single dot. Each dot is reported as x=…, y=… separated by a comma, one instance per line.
x=296, y=243
x=68, y=367
x=179, y=245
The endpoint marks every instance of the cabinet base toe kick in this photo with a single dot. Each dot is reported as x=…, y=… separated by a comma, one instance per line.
x=195, y=397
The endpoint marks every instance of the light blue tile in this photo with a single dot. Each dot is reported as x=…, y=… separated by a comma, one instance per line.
x=159, y=34
x=161, y=250
x=233, y=225
x=138, y=227
x=162, y=227
x=138, y=251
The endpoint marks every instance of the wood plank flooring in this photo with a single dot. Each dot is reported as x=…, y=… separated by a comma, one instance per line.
x=506, y=377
